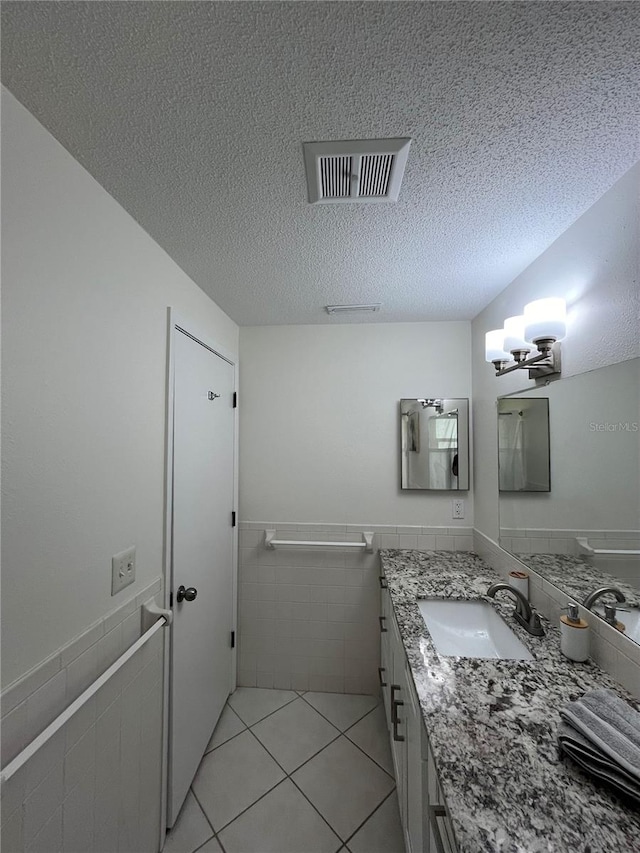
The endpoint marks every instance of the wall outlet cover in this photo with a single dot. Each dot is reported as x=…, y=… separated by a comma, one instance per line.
x=123, y=569
x=457, y=508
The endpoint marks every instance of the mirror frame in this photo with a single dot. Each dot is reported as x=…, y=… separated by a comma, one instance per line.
x=464, y=468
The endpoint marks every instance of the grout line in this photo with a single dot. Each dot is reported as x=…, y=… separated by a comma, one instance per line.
x=206, y=816
x=226, y=705
x=288, y=702
x=288, y=776
x=306, y=761
x=344, y=694
x=315, y=808
x=293, y=782
x=233, y=737
x=392, y=793
x=261, y=797
x=370, y=757
x=222, y=847
x=204, y=844
x=366, y=754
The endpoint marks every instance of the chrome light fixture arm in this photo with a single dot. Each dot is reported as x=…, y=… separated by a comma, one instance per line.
x=546, y=362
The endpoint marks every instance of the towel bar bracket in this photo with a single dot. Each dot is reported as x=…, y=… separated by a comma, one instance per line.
x=271, y=542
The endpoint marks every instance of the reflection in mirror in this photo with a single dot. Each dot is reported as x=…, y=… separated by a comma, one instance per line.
x=523, y=444
x=434, y=434
x=585, y=534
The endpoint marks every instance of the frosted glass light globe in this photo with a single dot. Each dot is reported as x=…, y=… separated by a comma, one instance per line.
x=545, y=318
x=514, y=334
x=494, y=346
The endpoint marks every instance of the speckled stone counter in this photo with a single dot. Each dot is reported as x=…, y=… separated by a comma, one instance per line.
x=492, y=725
x=576, y=576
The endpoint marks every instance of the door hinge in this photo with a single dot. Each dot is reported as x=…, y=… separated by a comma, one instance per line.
x=233, y=519
x=235, y=399
x=233, y=639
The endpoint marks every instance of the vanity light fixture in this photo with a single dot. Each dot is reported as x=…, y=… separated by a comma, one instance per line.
x=543, y=325
x=431, y=403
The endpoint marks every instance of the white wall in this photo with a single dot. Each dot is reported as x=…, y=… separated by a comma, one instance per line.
x=319, y=412
x=595, y=266
x=84, y=362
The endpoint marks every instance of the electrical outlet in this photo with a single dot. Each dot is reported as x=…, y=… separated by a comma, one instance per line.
x=123, y=570
x=457, y=508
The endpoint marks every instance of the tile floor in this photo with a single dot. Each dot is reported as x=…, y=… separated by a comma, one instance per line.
x=289, y=772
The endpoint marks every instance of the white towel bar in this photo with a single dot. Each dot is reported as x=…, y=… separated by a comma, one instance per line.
x=271, y=542
x=82, y=699
x=589, y=551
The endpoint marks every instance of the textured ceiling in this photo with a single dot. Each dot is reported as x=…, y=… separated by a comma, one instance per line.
x=192, y=116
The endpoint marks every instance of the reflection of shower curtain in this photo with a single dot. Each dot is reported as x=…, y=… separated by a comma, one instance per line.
x=511, y=452
x=413, y=437
x=443, y=447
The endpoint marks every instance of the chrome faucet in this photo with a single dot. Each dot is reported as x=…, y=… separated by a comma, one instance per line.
x=524, y=613
x=591, y=599
x=610, y=614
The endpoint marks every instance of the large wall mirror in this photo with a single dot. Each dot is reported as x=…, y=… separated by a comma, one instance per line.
x=434, y=434
x=585, y=532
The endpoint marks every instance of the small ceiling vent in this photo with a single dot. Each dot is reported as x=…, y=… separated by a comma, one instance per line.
x=364, y=170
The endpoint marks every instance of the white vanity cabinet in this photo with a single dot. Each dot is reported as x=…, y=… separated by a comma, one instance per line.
x=425, y=824
x=385, y=670
x=437, y=822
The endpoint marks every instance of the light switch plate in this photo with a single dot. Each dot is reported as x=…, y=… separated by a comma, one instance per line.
x=123, y=569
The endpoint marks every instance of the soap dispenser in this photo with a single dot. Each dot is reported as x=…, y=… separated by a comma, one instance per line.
x=574, y=634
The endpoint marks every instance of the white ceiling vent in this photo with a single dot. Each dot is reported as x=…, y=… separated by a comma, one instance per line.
x=363, y=170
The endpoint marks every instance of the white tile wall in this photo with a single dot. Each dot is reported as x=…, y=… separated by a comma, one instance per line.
x=308, y=618
x=563, y=541
x=96, y=785
x=613, y=652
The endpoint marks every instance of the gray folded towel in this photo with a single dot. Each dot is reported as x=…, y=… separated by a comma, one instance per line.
x=610, y=724
x=595, y=762
x=601, y=732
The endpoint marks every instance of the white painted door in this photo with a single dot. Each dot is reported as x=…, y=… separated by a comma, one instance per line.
x=201, y=657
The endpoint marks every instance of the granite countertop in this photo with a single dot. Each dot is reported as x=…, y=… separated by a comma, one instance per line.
x=492, y=725
x=577, y=577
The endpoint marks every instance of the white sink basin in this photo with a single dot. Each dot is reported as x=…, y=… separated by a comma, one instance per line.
x=470, y=629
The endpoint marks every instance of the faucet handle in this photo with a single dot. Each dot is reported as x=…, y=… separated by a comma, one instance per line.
x=535, y=619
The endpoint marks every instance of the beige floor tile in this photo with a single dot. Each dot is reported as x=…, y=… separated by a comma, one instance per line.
x=233, y=776
x=382, y=833
x=253, y=703
x=294, y=733
x=281, y=822
x=190, y=830
x=344, y=785
x=342, y=709
x=229, y=725
x=371, y=735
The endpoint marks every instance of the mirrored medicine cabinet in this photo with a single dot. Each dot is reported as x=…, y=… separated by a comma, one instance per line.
x=434, y=437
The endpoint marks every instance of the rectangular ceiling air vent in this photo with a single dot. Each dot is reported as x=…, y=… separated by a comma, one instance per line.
x=364, y=170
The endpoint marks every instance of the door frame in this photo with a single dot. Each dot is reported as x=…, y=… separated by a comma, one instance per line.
x=177, y=324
